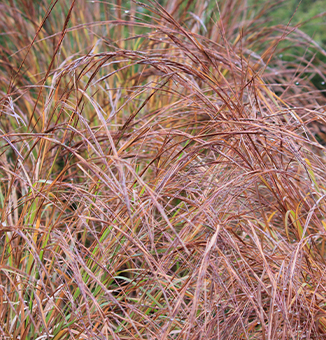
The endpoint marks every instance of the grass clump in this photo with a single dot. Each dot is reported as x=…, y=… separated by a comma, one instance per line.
x=162, y=173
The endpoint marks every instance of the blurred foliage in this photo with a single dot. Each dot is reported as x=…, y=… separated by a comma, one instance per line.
x=309, y=16
x=296, y=12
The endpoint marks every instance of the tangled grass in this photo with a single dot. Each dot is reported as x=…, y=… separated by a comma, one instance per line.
x=162, y=173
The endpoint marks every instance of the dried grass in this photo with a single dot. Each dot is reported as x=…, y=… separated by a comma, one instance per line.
x=160, y=173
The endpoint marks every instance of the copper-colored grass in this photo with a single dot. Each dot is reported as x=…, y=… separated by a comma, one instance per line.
x=162, y=173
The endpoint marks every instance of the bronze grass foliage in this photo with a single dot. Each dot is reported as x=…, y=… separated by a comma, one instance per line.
x=161, y=173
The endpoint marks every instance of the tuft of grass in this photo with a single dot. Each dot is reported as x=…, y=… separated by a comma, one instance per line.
x=162, y=173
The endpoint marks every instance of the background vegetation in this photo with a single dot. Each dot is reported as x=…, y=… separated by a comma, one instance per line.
x=162, y=171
